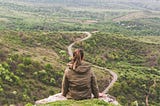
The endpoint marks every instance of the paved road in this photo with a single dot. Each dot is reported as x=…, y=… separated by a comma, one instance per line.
x=114, y=75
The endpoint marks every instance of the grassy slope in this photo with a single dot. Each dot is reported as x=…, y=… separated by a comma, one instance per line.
x=52, y=16
x=29, y=69
x=136, y=63
x=147, y=39
x=91, y=102
x=32, y=65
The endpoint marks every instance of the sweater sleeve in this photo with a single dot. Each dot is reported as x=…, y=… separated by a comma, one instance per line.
x=65, y=84
x=94, y=85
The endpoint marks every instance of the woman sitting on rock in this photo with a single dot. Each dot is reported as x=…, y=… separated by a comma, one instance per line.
x=79, y=81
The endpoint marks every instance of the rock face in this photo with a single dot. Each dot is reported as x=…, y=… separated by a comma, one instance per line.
x=53, y=98
x=59, y=97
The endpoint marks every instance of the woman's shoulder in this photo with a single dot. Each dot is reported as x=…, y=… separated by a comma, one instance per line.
x=66, y=70
x=86, y=63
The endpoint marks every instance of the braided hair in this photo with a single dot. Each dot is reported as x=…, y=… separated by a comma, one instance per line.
x=77, y=59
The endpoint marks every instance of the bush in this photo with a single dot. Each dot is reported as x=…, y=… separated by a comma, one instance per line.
x=27, y=61
x=3, y=55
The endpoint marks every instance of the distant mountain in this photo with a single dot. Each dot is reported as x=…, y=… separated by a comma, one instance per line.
x=113, y=4
x=105, y=4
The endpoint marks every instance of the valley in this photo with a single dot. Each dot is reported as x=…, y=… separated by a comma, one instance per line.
x=35, y=34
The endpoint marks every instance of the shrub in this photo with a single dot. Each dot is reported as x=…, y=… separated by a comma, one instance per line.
x=27, y=61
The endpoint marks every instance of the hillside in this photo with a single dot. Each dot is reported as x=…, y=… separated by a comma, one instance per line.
x=134, y=17
x=109, y=4
x=32, y=65
x=27, y=73
x=137, y=64
x=34, y=35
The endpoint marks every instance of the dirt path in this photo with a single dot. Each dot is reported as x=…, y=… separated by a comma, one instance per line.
x=114, y=75
x=105, y=97
x=70, y=46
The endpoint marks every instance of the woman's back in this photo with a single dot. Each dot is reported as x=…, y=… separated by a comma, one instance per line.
x=79, y=82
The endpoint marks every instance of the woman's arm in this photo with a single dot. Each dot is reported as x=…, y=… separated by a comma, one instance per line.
x=65, y=84
x=94, y=85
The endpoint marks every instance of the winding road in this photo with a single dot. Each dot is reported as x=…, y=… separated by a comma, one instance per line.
x=59, y=96
x=114, y=75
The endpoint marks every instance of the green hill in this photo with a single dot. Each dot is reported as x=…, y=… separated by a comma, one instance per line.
x=26, y=74
x=32, y=65
x=88, y=15
x=34, y=35
x=137, y=64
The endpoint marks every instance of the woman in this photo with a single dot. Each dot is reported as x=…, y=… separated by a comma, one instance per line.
x=79, y=81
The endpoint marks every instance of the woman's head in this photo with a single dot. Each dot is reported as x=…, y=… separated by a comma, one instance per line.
x=78, y=56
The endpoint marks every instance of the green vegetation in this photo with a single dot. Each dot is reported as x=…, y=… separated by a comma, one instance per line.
x=21, y=79
x=147, y=39
x=32, y=65
x=137, y=65
x=21, y=75
x=34, y=35
x=94, y=102
x=58, y=16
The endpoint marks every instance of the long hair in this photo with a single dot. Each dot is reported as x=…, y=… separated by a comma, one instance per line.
x=77, y=59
